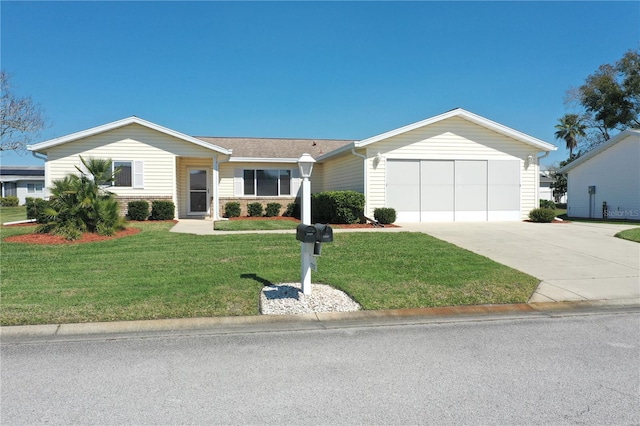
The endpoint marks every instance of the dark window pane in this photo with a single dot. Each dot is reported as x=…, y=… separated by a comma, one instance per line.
x=123, y=178
x=249, y=178
x=285, y=182
x=198, y=202
x=198, y=179
x=267, y=182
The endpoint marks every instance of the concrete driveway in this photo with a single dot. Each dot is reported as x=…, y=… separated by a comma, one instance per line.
x=574, y=261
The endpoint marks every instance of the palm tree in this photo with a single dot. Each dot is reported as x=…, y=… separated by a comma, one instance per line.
x=570, y=128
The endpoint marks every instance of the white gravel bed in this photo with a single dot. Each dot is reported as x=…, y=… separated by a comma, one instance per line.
x=287, y=298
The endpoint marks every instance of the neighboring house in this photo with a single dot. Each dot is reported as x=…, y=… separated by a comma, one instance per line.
x=610, y=173
x=22, y=182
x=456, y=166
x=546, y=191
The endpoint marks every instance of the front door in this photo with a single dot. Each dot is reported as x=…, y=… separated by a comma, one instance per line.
x=198, y=192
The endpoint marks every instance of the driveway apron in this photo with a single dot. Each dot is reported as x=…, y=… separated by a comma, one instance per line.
x=574, y=261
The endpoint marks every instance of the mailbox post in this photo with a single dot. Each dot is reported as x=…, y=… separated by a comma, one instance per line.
x=305, y=164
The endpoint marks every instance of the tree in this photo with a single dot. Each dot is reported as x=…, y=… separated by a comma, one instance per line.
x=569, y=129
x=80, y=203
x=609, y=99
x=21, y=120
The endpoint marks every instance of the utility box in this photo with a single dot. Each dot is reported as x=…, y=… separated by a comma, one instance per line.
x=306, y=233
x=592, y=189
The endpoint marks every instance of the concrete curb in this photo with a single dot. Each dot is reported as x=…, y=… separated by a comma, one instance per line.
x=318, y=320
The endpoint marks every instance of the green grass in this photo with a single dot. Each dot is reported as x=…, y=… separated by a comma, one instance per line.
x=158, y=274
x=611, y=221
x=630, y=234
x=12, y=214
x=254, y=225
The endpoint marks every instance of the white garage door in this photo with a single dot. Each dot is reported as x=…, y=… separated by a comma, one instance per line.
x=453, y=190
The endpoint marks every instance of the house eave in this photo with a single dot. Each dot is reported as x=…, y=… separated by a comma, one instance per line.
x=43, y=146
x=262, y=160
x=589, y=155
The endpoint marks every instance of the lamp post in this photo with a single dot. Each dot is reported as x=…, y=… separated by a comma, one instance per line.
x=305, y=164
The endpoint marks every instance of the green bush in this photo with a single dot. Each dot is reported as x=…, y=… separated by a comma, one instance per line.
x=232, y=209
x=385, y=215
x=254, y=209
x=162, y=210
x=273, y=209
x=547, y=204
x=10, y=201
x=138, y=210
x=542, y=215
x=293, y=210
x=36, y=208
x=337, y=206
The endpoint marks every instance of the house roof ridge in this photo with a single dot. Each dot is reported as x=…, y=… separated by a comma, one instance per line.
x=276, y=138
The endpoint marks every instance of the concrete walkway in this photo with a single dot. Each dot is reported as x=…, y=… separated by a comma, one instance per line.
x=575, y=261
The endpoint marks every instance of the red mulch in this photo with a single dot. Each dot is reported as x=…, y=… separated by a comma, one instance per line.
x=56, y=239
x=293, y=219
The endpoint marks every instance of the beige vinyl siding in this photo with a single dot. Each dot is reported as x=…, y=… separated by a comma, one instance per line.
x=135, y=143
x=227, y=174
x=345, y=172
x=183, y=166
x=451, y=139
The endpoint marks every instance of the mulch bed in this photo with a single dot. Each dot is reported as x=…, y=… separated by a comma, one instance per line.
x=87, y=237
x=293, y=219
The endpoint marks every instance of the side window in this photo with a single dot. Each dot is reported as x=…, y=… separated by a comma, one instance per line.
x=125, y=176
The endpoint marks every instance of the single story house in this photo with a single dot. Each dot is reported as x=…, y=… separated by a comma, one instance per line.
x=608, y=174
x=22, y=182
x=546, y=191
x=456, y=166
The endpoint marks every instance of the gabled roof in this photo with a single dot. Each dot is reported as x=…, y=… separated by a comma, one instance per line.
x=458, y=112
x=611, y=142
x=275, y=150
x=39, y=147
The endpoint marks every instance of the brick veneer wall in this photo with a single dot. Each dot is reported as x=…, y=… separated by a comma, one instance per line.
x=264, y=201
x=124, y=201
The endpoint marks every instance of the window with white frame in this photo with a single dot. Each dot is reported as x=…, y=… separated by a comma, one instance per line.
x=130, y=174
x=34, y=187
x=266, y=182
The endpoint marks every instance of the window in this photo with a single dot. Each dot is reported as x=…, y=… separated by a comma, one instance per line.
x=34, y=187
x=131, y=174
x=124, y=177
x=267, y=182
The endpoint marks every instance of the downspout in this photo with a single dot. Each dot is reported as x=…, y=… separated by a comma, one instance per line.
x=366, y=188
x=537, y=202
x=215, y=215
x=46, y=168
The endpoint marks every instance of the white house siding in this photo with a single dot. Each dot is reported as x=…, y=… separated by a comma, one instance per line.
x=342, y=173
x=615, y=174
x=451, y=139
x=157, y=152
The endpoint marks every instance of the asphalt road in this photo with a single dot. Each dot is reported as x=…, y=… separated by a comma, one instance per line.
x=578, y=369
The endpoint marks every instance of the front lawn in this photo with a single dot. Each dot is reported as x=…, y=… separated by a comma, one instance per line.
x=13, y=214
x=158, y=274
x=630, y=234
x=255, y=224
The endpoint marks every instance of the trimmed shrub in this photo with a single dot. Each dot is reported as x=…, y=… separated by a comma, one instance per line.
x=10, y=201
x=162, y=210
x=36, y=208
x=254, y=209
x=385, y=215
x=138, y=210
x=547, y=204
x=232, y=209
x=542, y=215
x=273, y=209
x=293, y=210
x=337, y=206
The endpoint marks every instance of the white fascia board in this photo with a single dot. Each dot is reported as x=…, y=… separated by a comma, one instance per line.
x=589, y=155
x=262, y=160
x=459, y=112
x=347, y=147
x=121, y=123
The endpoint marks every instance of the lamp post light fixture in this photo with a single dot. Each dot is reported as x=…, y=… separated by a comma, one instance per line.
x=305, y=163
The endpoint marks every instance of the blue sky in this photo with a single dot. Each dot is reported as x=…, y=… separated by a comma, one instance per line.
x=346, y=70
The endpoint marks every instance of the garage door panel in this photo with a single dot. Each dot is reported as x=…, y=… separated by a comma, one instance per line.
x=403, y=189
x=436, y=195
x=504, y=190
